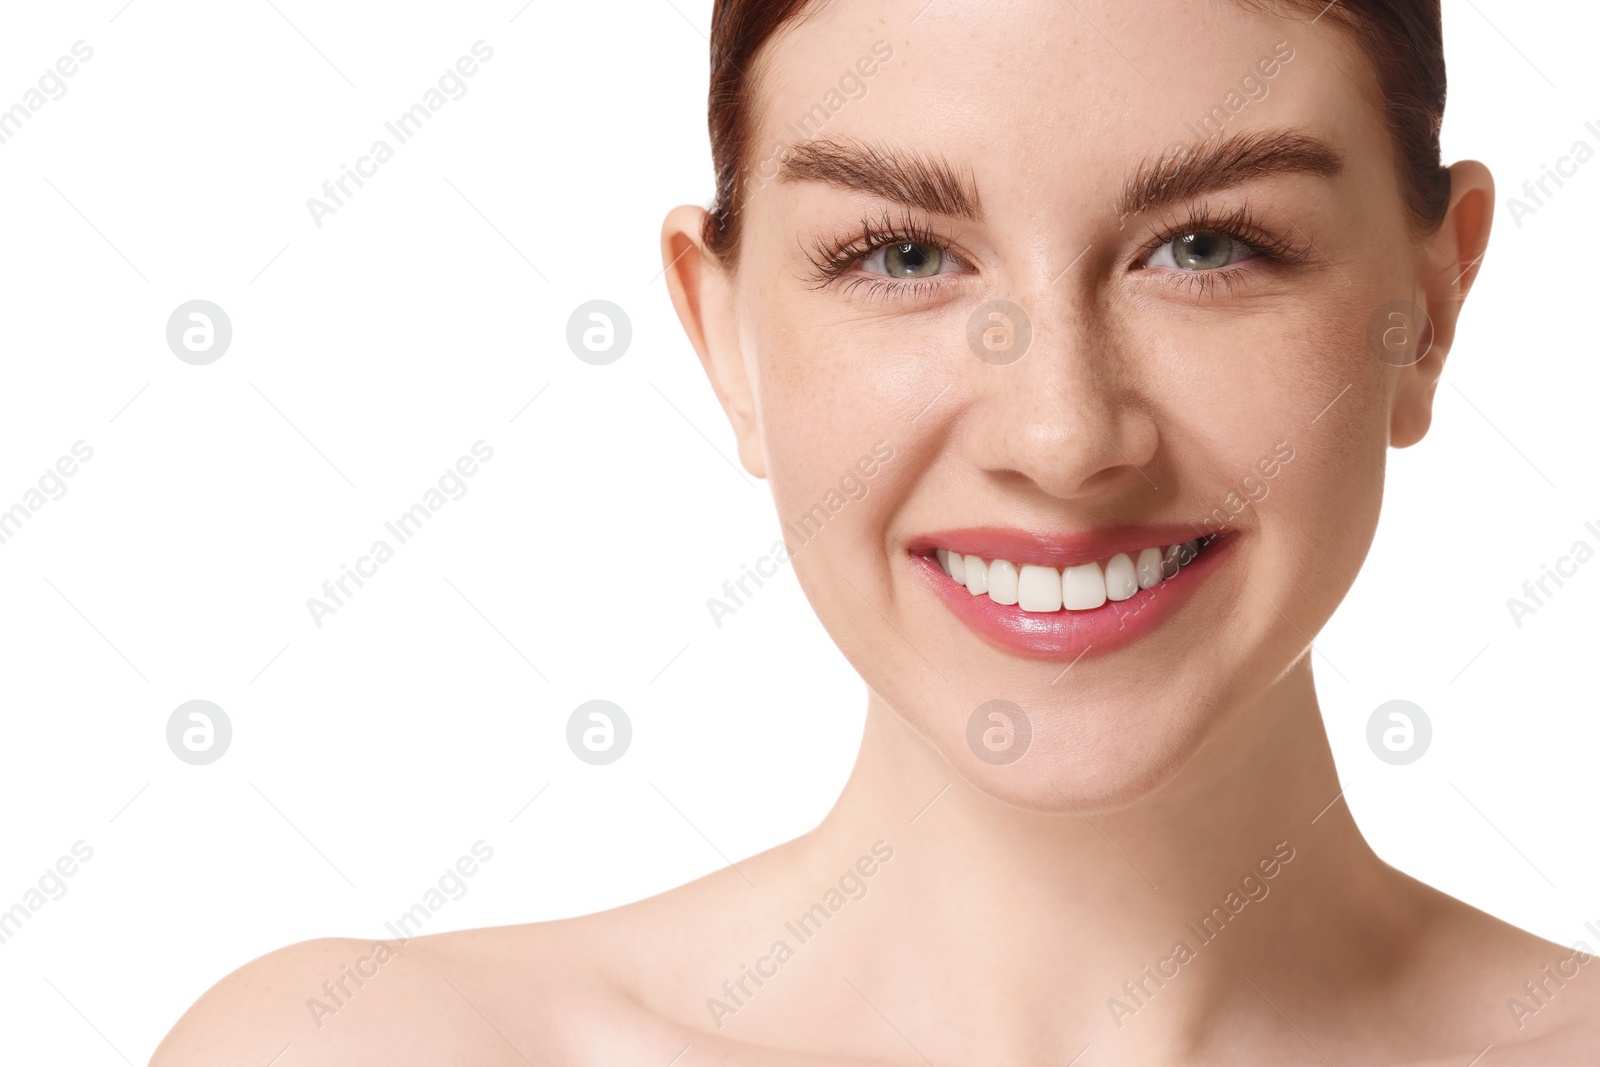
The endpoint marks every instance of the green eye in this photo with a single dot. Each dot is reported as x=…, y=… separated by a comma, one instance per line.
x=1202, y=251
x=908, y=260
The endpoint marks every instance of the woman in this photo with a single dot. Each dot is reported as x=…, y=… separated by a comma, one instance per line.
x=1071, y=338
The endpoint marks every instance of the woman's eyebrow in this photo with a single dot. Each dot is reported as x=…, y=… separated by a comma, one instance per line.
x=932, y=184
x=1189, y=172
x=914, y=179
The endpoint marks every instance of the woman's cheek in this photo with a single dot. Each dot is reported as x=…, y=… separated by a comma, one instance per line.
x=812, y=431
x=1277, y=370
x=828, y=389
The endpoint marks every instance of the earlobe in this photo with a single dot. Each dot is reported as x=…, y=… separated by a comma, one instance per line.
x=702, y=295
x=1454, y=254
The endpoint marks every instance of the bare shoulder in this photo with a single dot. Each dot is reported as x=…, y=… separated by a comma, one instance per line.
x=623, y=985
x=559, y=992
x=268, y=1010
x=1525, y=1000
x=425, y=999
x=1558, y=1007
x=1574, y=1042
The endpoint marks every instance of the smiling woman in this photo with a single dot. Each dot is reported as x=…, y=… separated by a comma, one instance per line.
x=1092, y=731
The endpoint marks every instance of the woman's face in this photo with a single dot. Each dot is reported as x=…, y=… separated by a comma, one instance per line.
x=1208, y=347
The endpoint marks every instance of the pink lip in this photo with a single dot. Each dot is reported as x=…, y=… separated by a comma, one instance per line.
x=1066, y=635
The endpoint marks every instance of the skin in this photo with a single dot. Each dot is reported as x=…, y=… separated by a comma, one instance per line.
x=1019, y=898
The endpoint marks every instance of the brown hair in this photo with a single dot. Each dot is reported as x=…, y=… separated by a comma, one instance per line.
x=1402, y=39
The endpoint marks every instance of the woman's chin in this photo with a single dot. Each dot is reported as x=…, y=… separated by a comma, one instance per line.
x=1063, y=771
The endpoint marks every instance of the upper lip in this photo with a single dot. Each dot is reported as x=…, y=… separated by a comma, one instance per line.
x=1059, y=550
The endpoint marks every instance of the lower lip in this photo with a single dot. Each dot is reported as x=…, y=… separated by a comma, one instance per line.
x=1072, y=635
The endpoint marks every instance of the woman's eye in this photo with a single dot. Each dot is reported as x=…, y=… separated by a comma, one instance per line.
x=1199, y=252
x=907, y=261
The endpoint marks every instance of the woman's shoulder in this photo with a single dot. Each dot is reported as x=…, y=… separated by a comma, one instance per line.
x=1531, y=1000
x=572, y=990
x=559, y=992
x=478, y=993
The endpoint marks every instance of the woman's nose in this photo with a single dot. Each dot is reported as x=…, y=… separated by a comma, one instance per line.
x=1065, y=414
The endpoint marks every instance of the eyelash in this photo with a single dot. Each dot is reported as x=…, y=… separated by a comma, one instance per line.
x=1239, y=224
x=832, y=261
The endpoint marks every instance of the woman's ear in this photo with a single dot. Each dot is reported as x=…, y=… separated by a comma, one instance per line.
x=1453, y=255
x=702, y=293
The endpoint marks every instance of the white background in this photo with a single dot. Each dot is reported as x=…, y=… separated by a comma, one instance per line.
x=423, y=316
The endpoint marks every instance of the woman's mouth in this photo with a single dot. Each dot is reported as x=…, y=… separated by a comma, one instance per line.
x=1050, y=598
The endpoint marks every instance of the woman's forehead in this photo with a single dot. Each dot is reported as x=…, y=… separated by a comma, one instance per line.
x=1035, y=86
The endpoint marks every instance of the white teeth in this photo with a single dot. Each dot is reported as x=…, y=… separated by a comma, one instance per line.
x=1082, y=587
x=1039, y=589
x=1121, y=579
x=977, y=575
x=1002, y=582
x=1149, y=567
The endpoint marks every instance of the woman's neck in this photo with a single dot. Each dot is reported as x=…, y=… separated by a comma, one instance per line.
x=1141, y=920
